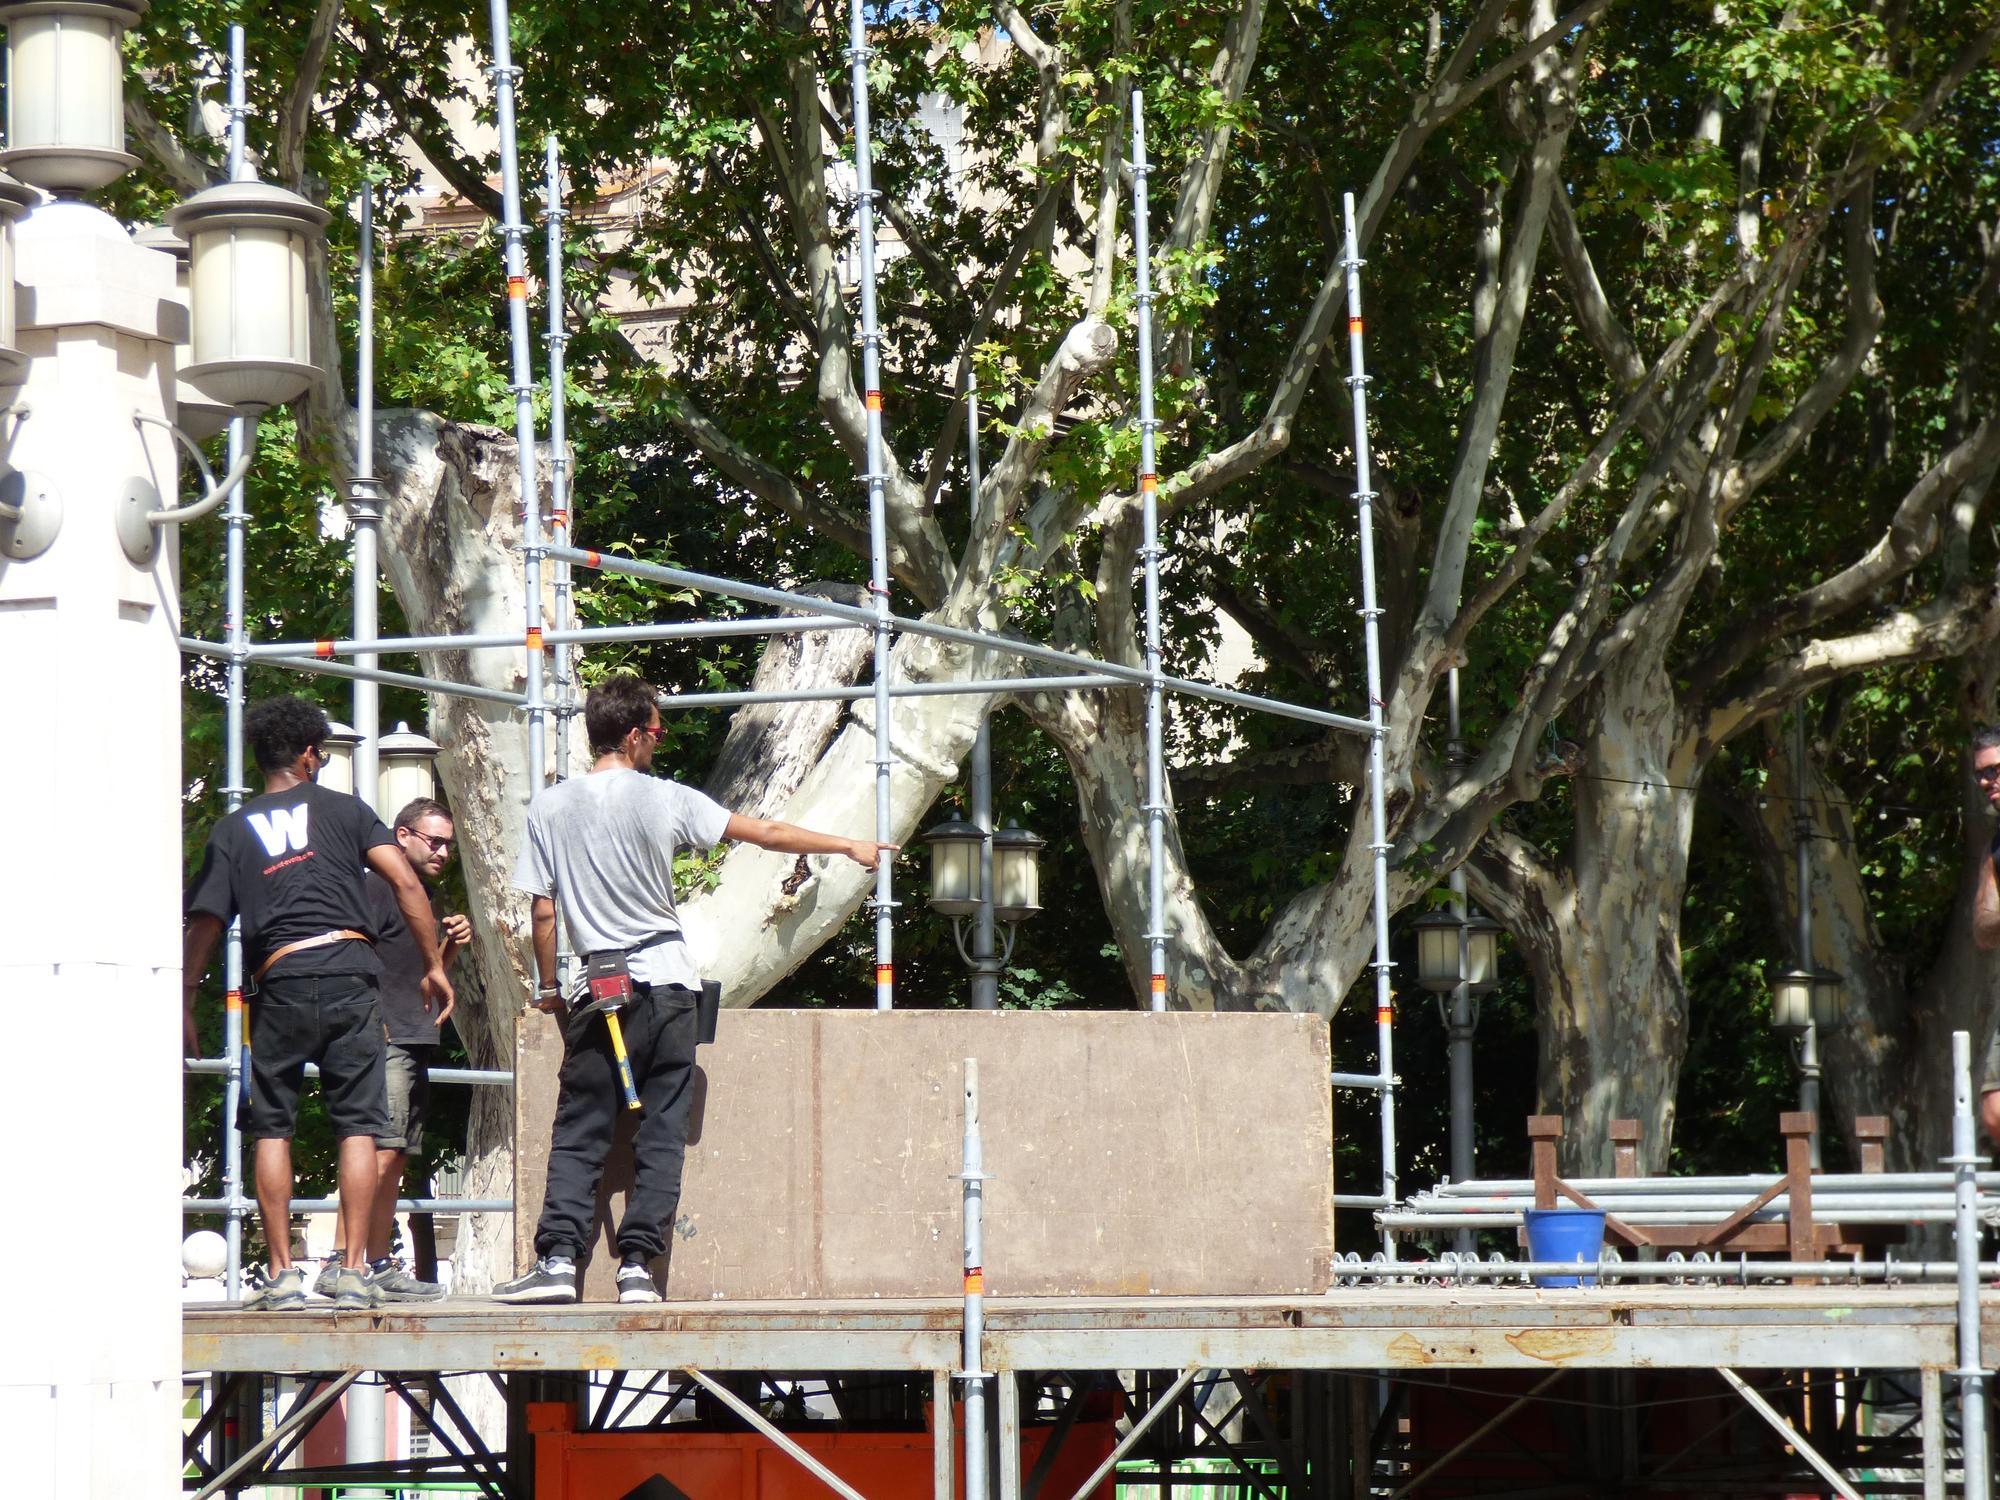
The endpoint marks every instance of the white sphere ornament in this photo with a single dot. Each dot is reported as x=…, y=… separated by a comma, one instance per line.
x=204, y=1255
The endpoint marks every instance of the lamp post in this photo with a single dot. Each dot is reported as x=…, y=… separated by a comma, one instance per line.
x=89, y=606
x=407, y=760
x=989, y=881
x=1806, y=1002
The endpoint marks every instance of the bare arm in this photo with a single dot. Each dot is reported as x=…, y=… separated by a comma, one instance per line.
x=789, y=838
x=542, y=913
x=388, y=862
x=1986, y=912
x=198, y=940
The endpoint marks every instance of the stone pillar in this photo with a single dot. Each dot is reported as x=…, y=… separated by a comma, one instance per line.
x=90, y=769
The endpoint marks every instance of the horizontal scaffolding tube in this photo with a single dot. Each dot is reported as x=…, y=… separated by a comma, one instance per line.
x=896, y=690
x=1823, y=1182
x=582, y=636
x=1826, y=1204
x=1033, y=651
x=1374, y=1082
x=1508, y=1218
x=329, y=1205
x=1360, y=1200
x=219, y=1067
x=1737, y=1268
x=362, y=674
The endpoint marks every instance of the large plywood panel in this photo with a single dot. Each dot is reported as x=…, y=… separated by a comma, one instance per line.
x=1129, y=1153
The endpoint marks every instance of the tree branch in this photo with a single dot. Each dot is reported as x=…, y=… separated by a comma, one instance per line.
x=188, y=172
x=295, y=115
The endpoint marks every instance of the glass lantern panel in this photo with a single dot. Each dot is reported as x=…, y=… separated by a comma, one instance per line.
x=7, y=314
x=400, y=781
x=1791, y=1004
x=954, y=870
x=1481, y=948
x=1016, y=881
x=1437, y=955
x=249, y=294
x=337, y=775
x=82, y=100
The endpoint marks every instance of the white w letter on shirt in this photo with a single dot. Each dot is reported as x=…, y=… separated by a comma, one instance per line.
x=281, y=829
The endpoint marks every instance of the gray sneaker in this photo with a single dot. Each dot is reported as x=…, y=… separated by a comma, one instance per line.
x=393, y=1283
x=323, y=1283
x=352, y=1290
x=286, y=1291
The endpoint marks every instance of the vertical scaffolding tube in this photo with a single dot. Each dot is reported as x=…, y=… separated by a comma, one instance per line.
x=1809, y=1038
x=366, y=1415
x=973, y=1176
x=514, y=256
x=559, y=486
x=1459, y=1023
x=1371, y=615
x=1965, y=1161
x=236, y=521
x=1149, y=553
x=878, y=525
x=364, y=510
x=985, y=964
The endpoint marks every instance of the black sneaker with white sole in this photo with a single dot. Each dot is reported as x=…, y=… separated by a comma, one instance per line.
x=549, y=1280
x=635, y=1281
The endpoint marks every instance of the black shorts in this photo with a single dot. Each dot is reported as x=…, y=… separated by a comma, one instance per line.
x=329, y=1019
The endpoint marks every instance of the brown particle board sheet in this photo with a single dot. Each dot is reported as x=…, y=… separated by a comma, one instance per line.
x=1129, y=1153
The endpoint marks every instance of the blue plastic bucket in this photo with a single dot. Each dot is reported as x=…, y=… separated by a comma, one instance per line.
x=1557, y=1234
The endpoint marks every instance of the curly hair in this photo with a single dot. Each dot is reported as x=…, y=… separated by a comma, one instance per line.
x=280, y=730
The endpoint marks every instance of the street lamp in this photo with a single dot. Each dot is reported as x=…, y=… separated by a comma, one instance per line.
x=248, y=243
x=1438, y=951
x=956, y=849
x=66, y=93
x=1017, y=882
x=405, y=775
x=337, y=756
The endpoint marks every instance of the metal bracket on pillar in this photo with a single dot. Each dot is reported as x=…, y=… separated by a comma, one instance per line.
x=31, y=514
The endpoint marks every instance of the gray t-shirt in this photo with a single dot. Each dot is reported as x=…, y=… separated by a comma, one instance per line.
x=603, y=846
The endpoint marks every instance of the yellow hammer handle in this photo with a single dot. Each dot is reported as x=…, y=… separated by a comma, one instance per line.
x=624, y=1061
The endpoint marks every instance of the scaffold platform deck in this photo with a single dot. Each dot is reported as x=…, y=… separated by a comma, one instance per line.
x=1615, y=1327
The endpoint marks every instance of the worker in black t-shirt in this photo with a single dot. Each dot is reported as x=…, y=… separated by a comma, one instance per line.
x=289, y=863
x=414, y=1026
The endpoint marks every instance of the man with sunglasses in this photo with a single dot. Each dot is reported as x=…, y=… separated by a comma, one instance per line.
x=602, y=848
x=423, y=831
x=1986, y=915
x=289, y=863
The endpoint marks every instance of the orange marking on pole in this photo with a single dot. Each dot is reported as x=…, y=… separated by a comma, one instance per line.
x=1148, y=483
x=975, y=1282
x=591, y=560
x=559, y=517
x=1354, y=327
x=885, y=973
x=874, y=400
x=535, y=638
x=323, y=647
x=1384, y=1013
x=1159, y=984
x=233, y=1000
x=517, y=287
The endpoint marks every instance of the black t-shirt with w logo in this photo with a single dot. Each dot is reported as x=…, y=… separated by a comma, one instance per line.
x=290, y=864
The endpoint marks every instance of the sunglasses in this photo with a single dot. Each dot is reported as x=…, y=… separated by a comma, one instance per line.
x=435, y=845
x=1986, y=774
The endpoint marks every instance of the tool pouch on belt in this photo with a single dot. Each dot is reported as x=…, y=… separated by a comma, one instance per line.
x=608, y=980
x=705, y=1011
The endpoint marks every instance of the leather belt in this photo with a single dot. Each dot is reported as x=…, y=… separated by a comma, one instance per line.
x=342, y=935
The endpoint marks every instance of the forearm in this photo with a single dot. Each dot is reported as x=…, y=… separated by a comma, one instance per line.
x=198, y=941
x=544, y=923
x=786, y=838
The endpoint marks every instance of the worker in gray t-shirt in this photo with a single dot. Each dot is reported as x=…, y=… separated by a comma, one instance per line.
x=600, y=848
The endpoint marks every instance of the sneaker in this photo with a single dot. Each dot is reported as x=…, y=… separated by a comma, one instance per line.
x=323, y=1283
x=393, y=1283
x=551, y=1279
x=635, y=1281
x=352, y=1290
x=286, y=1291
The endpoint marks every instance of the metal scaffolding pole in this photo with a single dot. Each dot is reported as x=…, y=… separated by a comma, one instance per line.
x=1808, y=1038
x=878, y=524
x=1459, y=1018
x=588, y=635
x=514, y=258
x=985, y=964
x=341, y=669
x=365, y=513
x=236, y=521
x=974, y=1374
x=1965, y=1162
x=1371, y=617
x=1149, y=553
x=1029, y=650
x=559, y=477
